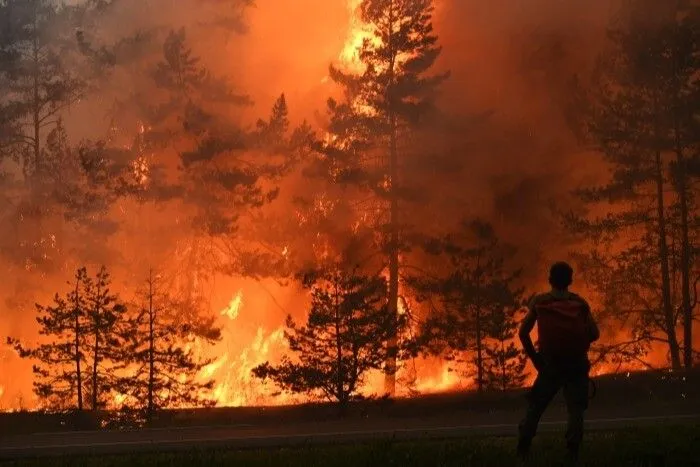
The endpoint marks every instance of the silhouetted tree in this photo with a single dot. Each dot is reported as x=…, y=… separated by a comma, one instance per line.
x=81, y=345
x=38, y=81
x=61, y=360
x=642, y=110
x=504, y=361
x=104, y=312
x=273, y=133
x=470, y=301
x=370, y=130
x=341, y=341
x=155, y=342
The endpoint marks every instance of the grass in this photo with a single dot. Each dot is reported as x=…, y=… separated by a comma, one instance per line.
x=644, y=447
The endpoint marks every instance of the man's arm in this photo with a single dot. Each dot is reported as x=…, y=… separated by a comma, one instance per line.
x=524, y=334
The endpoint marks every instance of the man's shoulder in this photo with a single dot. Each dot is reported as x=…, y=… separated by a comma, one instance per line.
x=545, y=297
x=578, y=298
x=540, y=298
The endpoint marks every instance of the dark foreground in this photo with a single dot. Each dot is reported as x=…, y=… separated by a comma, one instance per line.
x=446, y=429
x=251, y=438
x=650, y=446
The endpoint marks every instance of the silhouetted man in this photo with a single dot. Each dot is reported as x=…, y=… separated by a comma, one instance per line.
x=565, y=329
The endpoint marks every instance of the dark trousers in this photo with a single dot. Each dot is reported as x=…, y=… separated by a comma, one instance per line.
x=573, y=379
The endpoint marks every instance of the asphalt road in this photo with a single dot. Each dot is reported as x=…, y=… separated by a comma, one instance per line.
x=250, y=437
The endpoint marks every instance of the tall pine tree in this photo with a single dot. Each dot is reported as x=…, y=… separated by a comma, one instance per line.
x=105, y=313
x=81, y=348
x=642, y=117
x=61, y=362
x=370, y=129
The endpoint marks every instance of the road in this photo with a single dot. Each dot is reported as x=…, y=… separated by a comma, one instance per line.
x=250, y=436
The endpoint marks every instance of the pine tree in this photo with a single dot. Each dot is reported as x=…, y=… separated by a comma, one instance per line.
x=341, y=341
x=384, y=102
x=641, y=112
x=35, y=74
x=165, y=370
x=186, y=106
x=679, y=43
x=80, y=343
x=273, y=133
x=470, y=298
x=105, y=312
x=61, y=360
x=37, y=84
x=504, y=362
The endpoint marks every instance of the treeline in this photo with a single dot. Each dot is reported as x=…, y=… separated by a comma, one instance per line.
x=100, y=353
x=359, y=211
x=639, y=109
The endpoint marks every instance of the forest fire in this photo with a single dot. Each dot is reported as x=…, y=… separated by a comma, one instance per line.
x=253, y=220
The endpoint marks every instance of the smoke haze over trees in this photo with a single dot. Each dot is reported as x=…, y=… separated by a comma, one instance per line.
x=232, y=145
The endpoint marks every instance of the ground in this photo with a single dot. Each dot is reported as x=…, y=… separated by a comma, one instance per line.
x=645, y=419
x=652, y=447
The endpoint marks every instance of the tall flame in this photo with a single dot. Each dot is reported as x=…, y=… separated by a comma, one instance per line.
x=358, y=33
x=231, y=371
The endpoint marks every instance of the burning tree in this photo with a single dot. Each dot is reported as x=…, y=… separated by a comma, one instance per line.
x=82, y=345
x=342, y=339
x=643, y=118
x=384, y=102
x=157, y=348
x=195, y=158
x=471, y=305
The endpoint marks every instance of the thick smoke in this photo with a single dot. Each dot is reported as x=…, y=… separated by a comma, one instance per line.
x=503, y=119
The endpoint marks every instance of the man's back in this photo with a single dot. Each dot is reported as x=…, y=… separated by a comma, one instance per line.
x=563, y=324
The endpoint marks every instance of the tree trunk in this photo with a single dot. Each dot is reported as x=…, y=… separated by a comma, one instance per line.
x=96, y=349
x=665, y=275
x=339, y=348
x=393, y=271
x=36, y=117
x=392, y=344
x=685, y=282
x=502, y=358
x=151, y=348
x=479, y=352
x=78, y=374
x=682, y=189
x=94, y=367
x=479, y=338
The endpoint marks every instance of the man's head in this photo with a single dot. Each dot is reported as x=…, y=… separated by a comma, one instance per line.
x=561, y=275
